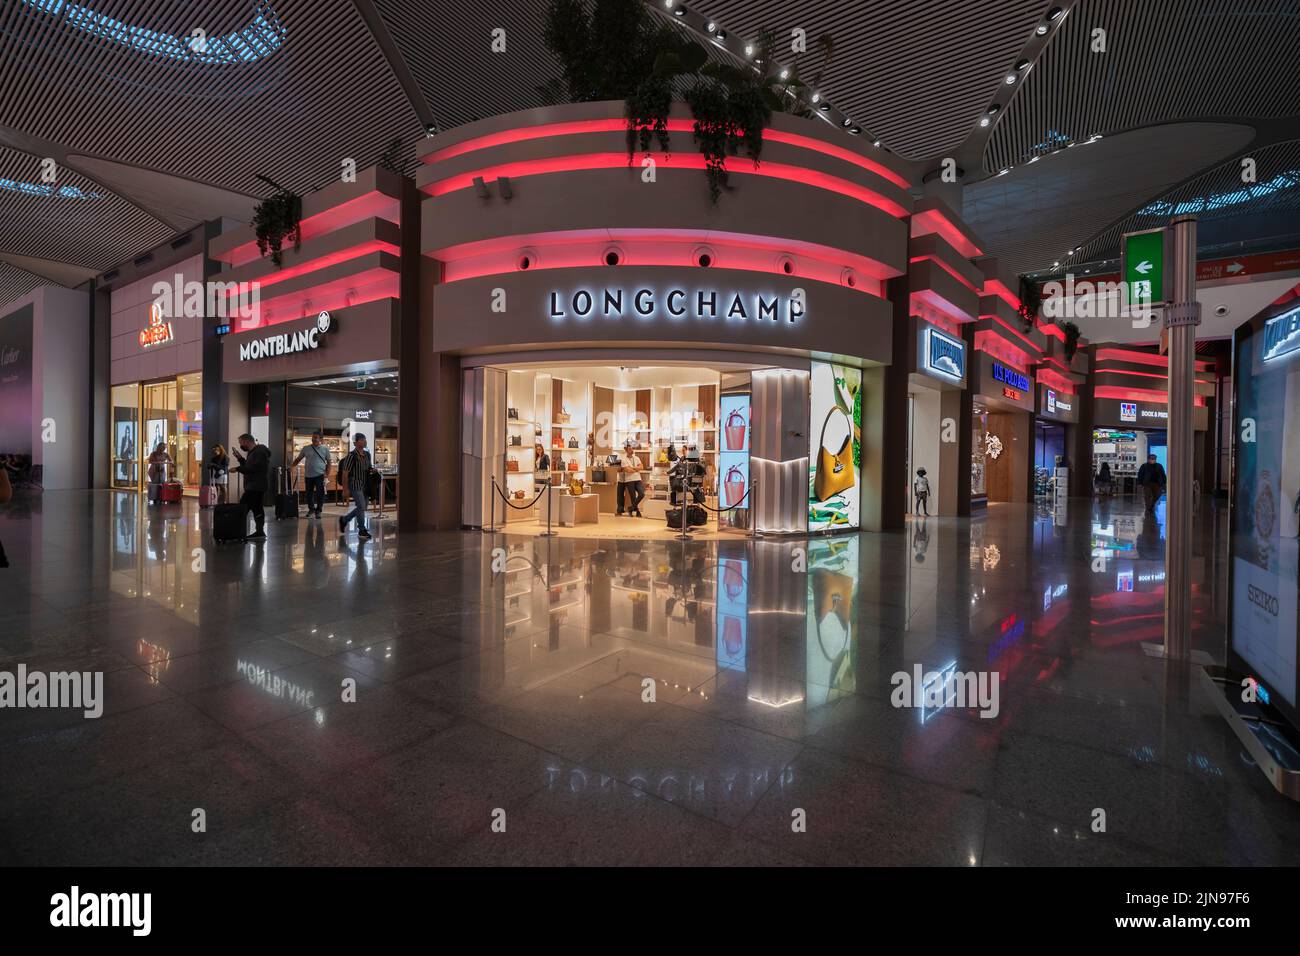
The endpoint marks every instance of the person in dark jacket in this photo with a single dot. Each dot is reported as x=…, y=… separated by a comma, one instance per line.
x=255, y=469
x=1151, y=479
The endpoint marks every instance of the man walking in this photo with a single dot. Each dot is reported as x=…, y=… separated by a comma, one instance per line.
x=255, y=469
x=353, y=472
x=1151, y=478
x=317, y=458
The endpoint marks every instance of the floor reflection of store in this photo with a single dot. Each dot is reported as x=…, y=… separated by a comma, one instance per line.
x=146, y=415
x=680, y=615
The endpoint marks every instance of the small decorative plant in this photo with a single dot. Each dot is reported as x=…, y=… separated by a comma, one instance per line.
x=277, y=218
x=1071, y=339
x=391, y=160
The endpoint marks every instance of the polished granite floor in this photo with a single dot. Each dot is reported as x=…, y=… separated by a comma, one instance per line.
x=510, y=685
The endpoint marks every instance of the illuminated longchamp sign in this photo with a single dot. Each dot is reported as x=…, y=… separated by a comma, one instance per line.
x=677, y=305
x=1282, y=335
x=945, y=356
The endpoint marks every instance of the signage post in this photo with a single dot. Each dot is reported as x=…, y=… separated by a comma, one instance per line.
x=1181, y=319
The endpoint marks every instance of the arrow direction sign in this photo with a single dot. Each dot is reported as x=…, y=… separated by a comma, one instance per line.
x=1144, y=267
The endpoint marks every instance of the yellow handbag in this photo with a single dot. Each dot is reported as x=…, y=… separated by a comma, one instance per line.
x=576, y=486
x=834, y=470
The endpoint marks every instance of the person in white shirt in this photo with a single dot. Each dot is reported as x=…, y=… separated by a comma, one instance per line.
x=630, y=482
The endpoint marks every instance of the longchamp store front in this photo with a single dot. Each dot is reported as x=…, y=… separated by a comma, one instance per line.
x=740, y=373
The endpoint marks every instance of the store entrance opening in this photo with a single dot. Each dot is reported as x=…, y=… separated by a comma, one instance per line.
x=618, y=450
x=1049, y=450
x=341, y=407
x=1124, y=451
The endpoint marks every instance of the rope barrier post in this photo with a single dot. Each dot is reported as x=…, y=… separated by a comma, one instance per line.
x=686, y=507
x=492, y=506
x=753, y=512
x=550, y=497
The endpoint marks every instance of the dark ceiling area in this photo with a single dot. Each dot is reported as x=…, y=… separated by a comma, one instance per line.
x=1073, y=121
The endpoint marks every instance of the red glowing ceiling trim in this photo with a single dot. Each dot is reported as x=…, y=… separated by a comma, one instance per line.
x=1143, y=358
x=575, y=127
x=1054, y=380
x=948, y=269
x=936, y=302
x=1108, y=370
x=1037, y=350
x=371, y=205
x=320, y=262
x=342, y=293
x=1051, y=328
x=998, y=287
x=934, y=221
x=592, y=161
x=629, y=239
x=942, y=321
x=989, y=342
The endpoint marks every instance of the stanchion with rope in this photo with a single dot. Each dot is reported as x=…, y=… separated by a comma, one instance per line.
x=511, y=504
x=717, y=511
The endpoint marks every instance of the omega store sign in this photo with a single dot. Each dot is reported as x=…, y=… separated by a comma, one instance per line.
x=647, y=306
x=328, y=341
x=1057, y=405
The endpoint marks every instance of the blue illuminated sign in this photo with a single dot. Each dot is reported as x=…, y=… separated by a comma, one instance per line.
x=1282, y=335
x=945, y=356
x=1010, y=377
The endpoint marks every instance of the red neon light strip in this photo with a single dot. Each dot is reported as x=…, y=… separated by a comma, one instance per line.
x=993, y=344
x=373, y=204
x=934, y=221
x=589, y=161
x=1141, y=358
x=1016, y=332
x=322, y=262
x=948, y=269
x=524, y=134
x=998, y=287
x=1140, y=395
x=1050, y=378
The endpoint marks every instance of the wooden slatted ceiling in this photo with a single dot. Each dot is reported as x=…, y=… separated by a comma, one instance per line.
x=16, y=283
x=1165, y=60
x=75, y=221
x=915, y=75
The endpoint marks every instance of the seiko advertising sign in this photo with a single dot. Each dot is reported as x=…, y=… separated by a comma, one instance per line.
x=944, y=356
x=1010, y=377
x=286, y=343
x=676, y=304
x=1282, y=335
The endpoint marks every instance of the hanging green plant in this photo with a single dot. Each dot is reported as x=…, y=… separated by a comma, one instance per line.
x=1031, y=301
x=1071, y=339
x=277, y=218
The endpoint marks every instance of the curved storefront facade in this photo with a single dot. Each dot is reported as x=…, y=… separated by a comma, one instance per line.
x=591, y=306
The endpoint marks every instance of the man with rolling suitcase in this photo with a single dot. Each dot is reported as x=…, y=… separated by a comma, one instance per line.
x=254, y=469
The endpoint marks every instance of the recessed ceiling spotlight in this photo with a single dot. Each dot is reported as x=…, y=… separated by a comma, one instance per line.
x=721, y=34
x=984, y=121
x=1056, y=265
x=855, y=130
x=785, y=74
x=1041, y=30
x=1010, y=79
x=679, y=12
x=816, y=97
x=875, y=142
x=749, y=49
x=994, y=108
x=825, y=107
x=711, y=27
x=669, y=3
x=846, y=123
x=1003, y=172
x=1022, y=65
x=1033, y=159
x=1094, y=137
x=1053, y=13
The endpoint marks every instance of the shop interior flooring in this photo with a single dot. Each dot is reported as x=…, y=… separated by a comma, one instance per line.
x=607, y=700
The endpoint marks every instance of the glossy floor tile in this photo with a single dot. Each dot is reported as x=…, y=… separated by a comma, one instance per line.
x=474, y=699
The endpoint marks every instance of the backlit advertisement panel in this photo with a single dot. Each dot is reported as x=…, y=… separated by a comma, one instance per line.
x=835, y=458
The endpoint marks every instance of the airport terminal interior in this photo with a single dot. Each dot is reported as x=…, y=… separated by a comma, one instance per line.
x=683, y=433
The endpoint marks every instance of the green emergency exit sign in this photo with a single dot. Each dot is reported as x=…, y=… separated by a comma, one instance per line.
x=1144, y=267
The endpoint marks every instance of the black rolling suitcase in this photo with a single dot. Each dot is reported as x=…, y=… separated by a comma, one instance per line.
x=286, y=499
x=230, y=521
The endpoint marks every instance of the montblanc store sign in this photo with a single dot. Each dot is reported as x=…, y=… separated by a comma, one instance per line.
x=286, y=343
x=677, y=305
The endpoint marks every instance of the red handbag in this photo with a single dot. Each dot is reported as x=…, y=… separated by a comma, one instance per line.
x=733, y=638
x=735, y=434
x=733, y=486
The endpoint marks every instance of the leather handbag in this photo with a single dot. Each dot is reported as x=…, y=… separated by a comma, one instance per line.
x=576, y=487
x=512, y=413
x=733, y=486
x=573, y=443
x=517, y=440
x=599, y=475
x=834, y=469
x=512, y=464
x=519, y=493
x=573, y=465
x=734, y=431
x=563, y=418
